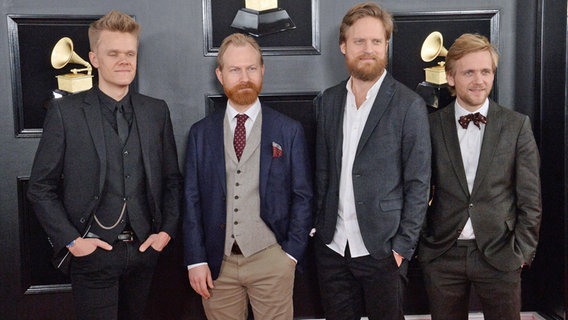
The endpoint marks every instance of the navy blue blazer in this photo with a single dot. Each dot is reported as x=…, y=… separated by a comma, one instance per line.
x=285, y=188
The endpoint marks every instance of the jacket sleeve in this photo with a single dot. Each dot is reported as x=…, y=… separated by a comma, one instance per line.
x=45, y=181
x=528, y=193
x=172, y=179
x=416, y=166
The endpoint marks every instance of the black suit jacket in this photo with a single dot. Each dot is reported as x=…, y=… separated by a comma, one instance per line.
x=391, y=171
x=505, y=202
x=69, y=169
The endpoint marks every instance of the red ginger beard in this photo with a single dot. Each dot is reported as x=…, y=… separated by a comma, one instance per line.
x=242, y=97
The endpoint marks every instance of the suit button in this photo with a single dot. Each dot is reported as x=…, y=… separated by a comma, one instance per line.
x=237, y=184
x=471, y=205
x=82, y=220
x=96, y=197
x=238, y=171
x=236, y=222
x=236, y=210
x=125, y=152
x=236, y=197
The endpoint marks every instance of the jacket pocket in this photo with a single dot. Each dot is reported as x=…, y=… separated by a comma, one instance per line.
x=391, y=204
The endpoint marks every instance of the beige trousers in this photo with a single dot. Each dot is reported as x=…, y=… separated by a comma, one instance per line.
x=265, y=279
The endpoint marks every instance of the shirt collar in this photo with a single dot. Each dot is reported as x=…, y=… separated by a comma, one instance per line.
x=373, y=90
x=461, y=111
x=251, y=112
x=110, y=103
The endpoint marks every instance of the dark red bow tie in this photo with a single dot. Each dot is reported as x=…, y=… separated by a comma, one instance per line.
x=475, y=117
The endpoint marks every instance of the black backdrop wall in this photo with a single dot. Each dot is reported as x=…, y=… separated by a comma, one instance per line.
x=174, y=64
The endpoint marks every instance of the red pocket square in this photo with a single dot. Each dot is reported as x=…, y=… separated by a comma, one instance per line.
x=276, y=150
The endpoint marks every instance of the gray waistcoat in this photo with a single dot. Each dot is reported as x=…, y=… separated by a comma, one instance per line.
x=244, y=224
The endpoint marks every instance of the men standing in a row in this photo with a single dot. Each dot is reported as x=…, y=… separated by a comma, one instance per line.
x=113, y=151
x=372, y=176
x=248, y=196
x=483, y=225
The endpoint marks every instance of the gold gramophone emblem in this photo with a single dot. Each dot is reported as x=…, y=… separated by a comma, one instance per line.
x=76, y=81
x=432, y=48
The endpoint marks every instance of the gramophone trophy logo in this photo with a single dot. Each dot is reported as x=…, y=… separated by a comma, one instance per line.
x=431, y=49
x=76, y=81
x=262, y=17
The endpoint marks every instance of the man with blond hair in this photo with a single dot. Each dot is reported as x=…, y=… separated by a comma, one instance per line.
x=483, y=224
x=113, y=152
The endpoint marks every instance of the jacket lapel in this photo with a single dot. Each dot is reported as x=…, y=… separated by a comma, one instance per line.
x=337, y=113
x=450, y=135
x=381, y=103
x=143, y=120
x=216, y=134
x=266, y=138
x=94, y=119
x=490, y=139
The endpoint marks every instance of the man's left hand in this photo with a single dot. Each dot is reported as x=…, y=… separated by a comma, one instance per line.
x=157, y=241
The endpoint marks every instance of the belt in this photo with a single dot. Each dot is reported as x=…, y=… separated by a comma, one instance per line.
x=235, y=249
x=125, y=236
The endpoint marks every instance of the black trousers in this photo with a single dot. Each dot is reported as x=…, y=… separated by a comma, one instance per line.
x=449, y=278
x=113, y=284
x=355, y=287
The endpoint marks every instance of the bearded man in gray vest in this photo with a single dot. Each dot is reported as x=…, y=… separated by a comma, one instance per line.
x=248, y=196
x=114, y=152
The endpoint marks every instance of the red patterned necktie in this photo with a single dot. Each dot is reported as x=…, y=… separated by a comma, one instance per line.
x=240, y=138
x=477, y=118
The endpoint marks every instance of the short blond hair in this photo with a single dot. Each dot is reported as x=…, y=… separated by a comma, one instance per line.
x=239, y=40
x=469, y=43
x=113, y=21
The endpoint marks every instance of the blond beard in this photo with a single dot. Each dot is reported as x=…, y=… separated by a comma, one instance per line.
x=368, y=71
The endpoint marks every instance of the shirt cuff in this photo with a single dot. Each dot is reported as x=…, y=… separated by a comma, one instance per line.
x=191, y=266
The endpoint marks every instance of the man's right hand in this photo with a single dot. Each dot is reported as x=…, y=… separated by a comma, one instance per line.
x=84, y=247
x=200, y=280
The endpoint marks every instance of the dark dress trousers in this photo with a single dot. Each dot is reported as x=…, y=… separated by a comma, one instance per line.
x=391, y=178
x=75, y=166
x=504, y=204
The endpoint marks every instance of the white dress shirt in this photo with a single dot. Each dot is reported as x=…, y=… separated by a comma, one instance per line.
x=347, y=227
x=251, y=112
x=470, y=140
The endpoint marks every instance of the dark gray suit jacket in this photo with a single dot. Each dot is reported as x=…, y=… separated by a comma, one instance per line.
x=505, y=202
x=391, y=171
x=72, y=147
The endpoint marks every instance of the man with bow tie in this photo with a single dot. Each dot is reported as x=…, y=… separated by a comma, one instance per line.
x=248, y=196
x=483, y=223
